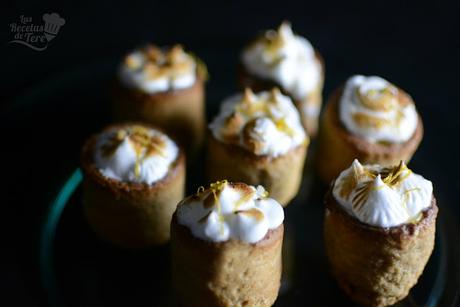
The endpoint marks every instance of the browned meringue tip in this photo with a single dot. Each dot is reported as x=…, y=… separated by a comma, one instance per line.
x=208, y=194
x=248, y=95
x=284, y=23
x=275, y=92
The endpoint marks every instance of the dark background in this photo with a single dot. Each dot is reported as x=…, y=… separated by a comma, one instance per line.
x=412, y=44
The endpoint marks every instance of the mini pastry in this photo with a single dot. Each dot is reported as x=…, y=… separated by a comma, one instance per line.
x=133, y=180
x=226, y=247
x=259, y=139
x=371, y=120
x=281, y=58
x=379, y=231
x=164, y=87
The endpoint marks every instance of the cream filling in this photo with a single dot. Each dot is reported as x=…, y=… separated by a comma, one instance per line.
x=390, y=122
x=290, y=62
x=370, y=195
x=264, y=123
x=135, y=74
x=127, y=164
x=233, y=213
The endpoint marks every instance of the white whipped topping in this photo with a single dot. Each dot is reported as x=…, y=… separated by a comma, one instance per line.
x=373, y=120
x=230, y=211
x=158, y=73
x=266, y=123
x=285, y=58
x=130, y=163
x=383, y=197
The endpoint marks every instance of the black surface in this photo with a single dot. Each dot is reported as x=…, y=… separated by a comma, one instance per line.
x=85, y=271
x=415, y=45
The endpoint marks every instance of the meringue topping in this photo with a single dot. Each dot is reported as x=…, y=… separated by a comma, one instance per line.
x=135, y=154
x=285, y=58
x=225, y=211
x=266, y=123
x=383, y=196
x=374, y=109
x=153, y=70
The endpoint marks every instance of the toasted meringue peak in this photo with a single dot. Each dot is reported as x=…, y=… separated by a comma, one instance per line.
x=382, y=196
x=153, y=69
x=358, y=169
x=285, y=29
x=266, y=123
x=226, y=211
x=285, y=58
x=278, y=39
x=374, y=109
x=135, y=154
x=248, y=96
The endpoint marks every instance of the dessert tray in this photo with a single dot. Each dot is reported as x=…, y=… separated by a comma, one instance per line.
x=77, y=269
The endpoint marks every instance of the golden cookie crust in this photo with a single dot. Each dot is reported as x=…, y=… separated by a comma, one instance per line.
x=129, y=214
x=225, y=274
x=280, y=176
x=377, y=266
